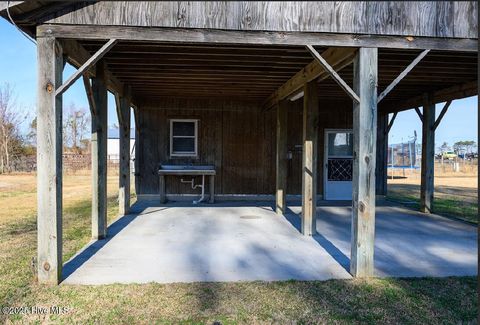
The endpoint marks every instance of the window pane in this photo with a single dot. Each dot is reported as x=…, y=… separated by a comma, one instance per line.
x=340, y=144
x=184, y=128
x=183, y=145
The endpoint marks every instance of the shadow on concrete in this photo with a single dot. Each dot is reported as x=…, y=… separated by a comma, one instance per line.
x=294, y=219
x=334, y=252
x=84, y=255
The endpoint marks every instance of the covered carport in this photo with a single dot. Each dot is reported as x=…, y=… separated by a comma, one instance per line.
x=380, y=70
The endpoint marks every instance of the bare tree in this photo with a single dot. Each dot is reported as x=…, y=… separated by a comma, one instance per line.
x=11, y=118
x=76, y=126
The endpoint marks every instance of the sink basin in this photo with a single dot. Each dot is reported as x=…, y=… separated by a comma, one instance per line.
x=186, y=170
x=187, y=167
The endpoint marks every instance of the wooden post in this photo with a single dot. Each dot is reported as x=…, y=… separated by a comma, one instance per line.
x=281, y=168
x=124, y=175
x=364, y=153
x=428, y=154
x=99, y=154
x=162, y=189
x=49, y=161
x=309, y=158
x=212, y=189
x=382, y=151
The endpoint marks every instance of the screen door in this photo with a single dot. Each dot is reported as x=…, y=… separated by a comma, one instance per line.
x=338, y=164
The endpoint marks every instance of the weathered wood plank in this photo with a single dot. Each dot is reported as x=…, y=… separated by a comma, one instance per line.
x=420, y=115
x=309, y=158
x=416, y=18
x=84, y=67
x=402, y=75
x=445, y=18
x=390, y=124
x=212, y=189
x=364, y=151
x=442, y=114
x=281, y=158
x=465, y=19
x=331, y=71
x=169, y=35
x=382, y=151
x=336, y=57
x=124, y=150
x=428, y=155
x=77, y=56
x=49, y=161
x=89, y=93
x=99, y=154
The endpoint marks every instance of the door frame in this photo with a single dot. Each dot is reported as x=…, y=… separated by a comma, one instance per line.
x=325, y=156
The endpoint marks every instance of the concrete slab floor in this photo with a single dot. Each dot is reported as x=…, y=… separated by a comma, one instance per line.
x=244, y=241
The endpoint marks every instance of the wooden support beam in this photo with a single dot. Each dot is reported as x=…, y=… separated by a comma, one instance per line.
x=309, y=158
x=402, y=75
x=77, y=56
x=118, y=107
x=390, y=124
x=49, y=161
x=443, y=95
x=281, y=158
x=331, y=71
x=428, y=155
x=84, y=67
x=338, y=58
x=383, y=127
x=124, y=175
x=442, y=114
x=200, y=35
x=420, y=115
x=89, y=92
x=364, y=151
x=99, y=154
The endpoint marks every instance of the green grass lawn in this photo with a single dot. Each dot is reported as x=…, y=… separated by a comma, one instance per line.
x=449, y=207
x=376, y=301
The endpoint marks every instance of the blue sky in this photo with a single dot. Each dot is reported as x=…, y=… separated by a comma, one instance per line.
x=18, y=67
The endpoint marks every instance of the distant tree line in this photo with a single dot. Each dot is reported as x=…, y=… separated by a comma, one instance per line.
x=464, y=147
x=16, y=144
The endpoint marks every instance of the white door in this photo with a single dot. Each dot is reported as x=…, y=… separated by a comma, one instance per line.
x=338, y=164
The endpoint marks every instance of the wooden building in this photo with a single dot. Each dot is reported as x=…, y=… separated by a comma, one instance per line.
x=282, y=98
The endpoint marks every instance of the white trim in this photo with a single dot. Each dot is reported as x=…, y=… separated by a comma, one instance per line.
x=193, y=154
x=325, y=155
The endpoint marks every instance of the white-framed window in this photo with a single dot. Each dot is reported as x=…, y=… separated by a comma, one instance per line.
x=183, y=138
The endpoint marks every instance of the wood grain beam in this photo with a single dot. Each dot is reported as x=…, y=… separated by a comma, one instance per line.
x=331, y=71
x=336, y=57
x=364, y=152
x=450, y=93
x=89, y=92
x=420, y=115
x=99, y=153
x=402, y=75
x=442, y=114
x=77, y=56
x=309, y=159
x=123, y=110
x=212, y=36
x=85, y=66
x=390, y=124
x=49, y=161
x=428, y=155
x=281, y=158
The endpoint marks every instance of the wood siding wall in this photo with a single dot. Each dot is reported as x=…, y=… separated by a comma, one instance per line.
x=237, y=137
x=408, y=18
